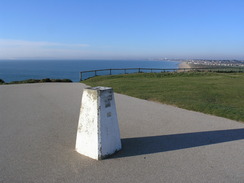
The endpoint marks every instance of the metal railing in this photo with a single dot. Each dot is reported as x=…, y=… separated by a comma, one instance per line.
x=102, y=72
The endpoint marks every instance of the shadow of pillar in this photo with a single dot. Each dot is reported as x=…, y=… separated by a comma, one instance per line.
x=156, y=144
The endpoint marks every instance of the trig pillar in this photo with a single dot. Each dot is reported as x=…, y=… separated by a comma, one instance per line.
x=98, y=134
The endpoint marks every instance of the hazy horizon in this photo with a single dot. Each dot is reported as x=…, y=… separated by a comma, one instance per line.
x=110, y=59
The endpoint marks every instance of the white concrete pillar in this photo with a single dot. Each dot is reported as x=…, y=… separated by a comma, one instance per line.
x=98, y=134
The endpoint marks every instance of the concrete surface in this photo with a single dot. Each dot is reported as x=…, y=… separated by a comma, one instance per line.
x=38, y=124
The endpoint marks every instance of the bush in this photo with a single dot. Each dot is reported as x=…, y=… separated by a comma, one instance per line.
x=31, y=81
x=62, y=80
x=46, y=80
x=1, y=81
x=67, y=81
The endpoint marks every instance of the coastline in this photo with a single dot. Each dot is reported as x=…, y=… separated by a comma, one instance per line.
x=184, y=65
x=70, y=69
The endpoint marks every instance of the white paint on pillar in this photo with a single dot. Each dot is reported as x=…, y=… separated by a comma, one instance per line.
x=98, y=134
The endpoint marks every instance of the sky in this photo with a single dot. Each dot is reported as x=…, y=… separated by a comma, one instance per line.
x=121, y=29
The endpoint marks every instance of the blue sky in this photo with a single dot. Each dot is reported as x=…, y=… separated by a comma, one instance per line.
x=121, y=29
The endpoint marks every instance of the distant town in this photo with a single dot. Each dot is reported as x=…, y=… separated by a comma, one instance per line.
x=206, y=62
x=221, y=63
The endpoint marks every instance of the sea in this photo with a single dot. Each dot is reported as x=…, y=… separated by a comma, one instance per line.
x=17, y=70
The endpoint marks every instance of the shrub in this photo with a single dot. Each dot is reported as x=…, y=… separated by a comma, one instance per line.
x=46, y=80
x=61, y=80
x=67, y=81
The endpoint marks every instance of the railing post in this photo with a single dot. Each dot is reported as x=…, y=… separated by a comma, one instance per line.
x=95, y=73
x=110, y=71
x=125, y=71
x=80, y=76
x=139, y=70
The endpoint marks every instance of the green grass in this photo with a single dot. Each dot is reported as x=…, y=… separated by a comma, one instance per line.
x=220, y=94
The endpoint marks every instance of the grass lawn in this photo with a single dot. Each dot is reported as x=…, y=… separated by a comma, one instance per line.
x=220, y=94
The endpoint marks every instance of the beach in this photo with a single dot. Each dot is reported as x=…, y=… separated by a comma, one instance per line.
x=184, y=65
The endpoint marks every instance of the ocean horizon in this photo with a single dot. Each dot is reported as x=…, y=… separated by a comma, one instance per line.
x=17, y=70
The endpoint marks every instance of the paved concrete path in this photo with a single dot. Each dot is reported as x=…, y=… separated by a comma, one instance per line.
x=161, y=143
